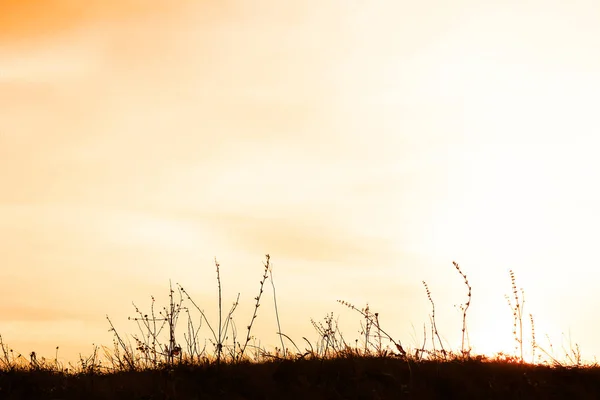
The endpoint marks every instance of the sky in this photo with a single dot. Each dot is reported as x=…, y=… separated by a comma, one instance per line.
x=363, y=145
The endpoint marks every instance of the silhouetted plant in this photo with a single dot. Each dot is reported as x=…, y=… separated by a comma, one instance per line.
x=434, y=330
x=463, y=308
x=517, y=311
x=256, y=305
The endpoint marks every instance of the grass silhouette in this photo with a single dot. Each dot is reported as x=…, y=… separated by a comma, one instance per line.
x=154, y=364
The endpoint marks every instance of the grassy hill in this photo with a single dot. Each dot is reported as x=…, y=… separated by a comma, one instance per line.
x=158, y=367
x=339, y=377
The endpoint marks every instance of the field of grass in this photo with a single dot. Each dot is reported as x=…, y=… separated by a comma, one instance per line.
x=227, y=364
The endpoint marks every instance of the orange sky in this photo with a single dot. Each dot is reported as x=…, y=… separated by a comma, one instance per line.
x=365, y=146
x=35, y=19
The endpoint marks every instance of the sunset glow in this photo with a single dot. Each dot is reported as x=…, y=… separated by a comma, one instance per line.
x=363, y=145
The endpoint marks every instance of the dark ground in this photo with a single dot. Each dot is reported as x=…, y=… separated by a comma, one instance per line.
x=338, y=378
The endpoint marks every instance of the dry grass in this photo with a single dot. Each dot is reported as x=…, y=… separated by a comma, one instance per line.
x=153, y=363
